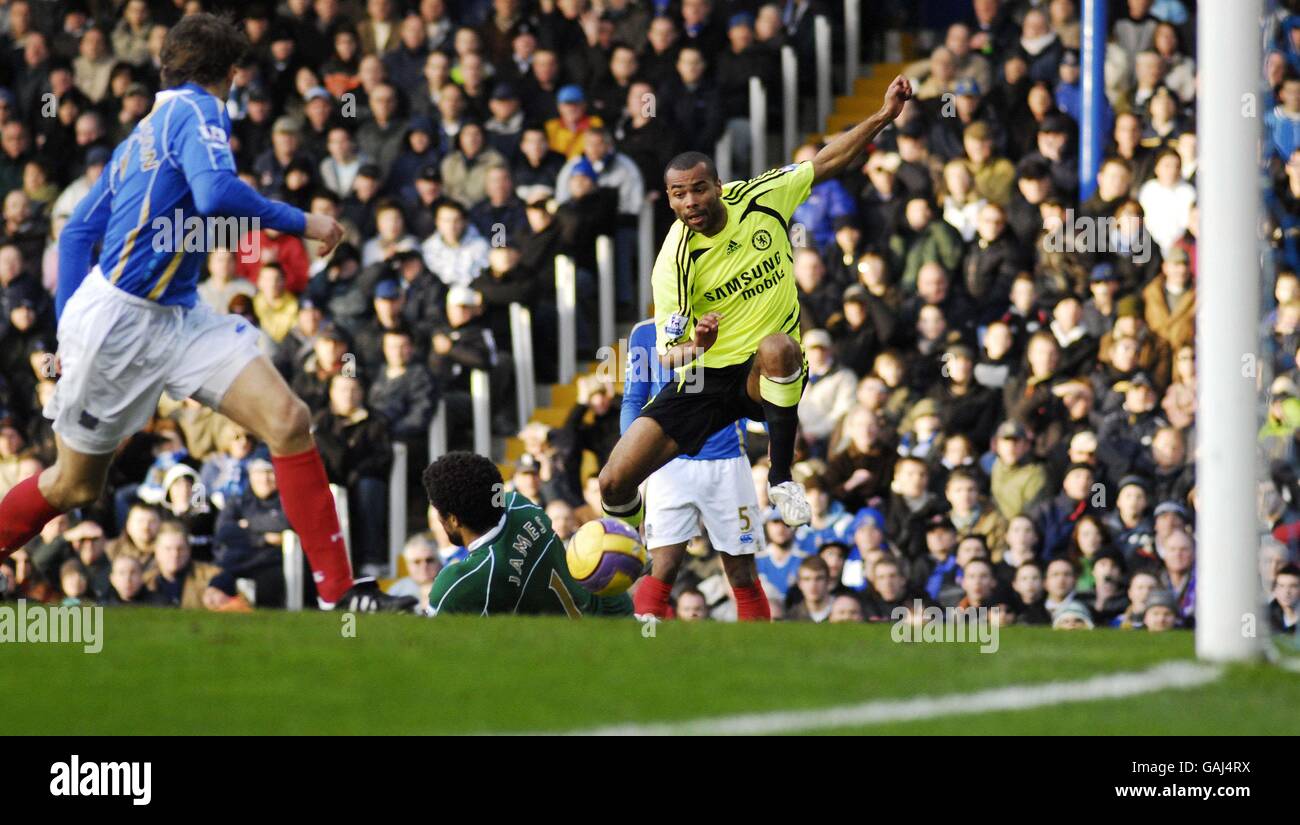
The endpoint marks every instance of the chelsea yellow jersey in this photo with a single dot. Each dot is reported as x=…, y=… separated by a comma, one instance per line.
x=745, y=273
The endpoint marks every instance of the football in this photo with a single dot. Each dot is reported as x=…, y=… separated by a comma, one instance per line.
x=606, y=556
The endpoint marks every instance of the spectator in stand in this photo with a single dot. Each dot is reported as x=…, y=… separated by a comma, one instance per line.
x=127, y=584
x=422, y=566
x=390, y=222
x=249, y=536
x=403, y=389
x=1282, y=610
x=1161, y=612
x=460, y=345
x=222, y=282
x=499, y=216
x=779, y=561
x=1170, y=301
x=1018, y=482
x=566, y=134
x=814, y=587
x=276, y=308
x=465, y=168
x=993, y=174
x=830, y=391
x=138, y=534
x=537, y=163
x=693, y=102
x=456, y=253
x=356, y=447
x=176, y=580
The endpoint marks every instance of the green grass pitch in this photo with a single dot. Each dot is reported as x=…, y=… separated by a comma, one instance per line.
x=168, y=672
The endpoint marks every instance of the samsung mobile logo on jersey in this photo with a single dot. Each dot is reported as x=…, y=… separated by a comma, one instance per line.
x=77, y=778
x=178, y=233
x=759, y=277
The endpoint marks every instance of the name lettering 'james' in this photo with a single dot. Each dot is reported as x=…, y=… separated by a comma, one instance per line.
x=523, y=544
x=758, y=278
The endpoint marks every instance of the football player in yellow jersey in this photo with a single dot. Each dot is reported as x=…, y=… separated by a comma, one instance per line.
x=727, y=316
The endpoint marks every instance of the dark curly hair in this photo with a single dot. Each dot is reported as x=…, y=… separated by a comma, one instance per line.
x=468, y=486
x=201, y=48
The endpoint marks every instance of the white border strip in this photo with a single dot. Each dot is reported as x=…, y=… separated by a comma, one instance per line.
x=1170, y=675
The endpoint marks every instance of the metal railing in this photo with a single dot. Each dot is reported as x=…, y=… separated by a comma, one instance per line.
x=396, y=506
x=645, y=244
x=480, y=395
x=521, y=348
x=566, y=308
x=757, y=127
x=605, y=287
x=852, y=42
x=340, y=494
x=438, y=432
x=722, y=156
x=822, y=37
x=789, y=101
x=291, y=553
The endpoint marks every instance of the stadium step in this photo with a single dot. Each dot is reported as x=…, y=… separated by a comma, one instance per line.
x=849, y=110
x=554, y=403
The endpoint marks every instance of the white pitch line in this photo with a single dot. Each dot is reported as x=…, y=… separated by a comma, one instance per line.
x=1170, y=675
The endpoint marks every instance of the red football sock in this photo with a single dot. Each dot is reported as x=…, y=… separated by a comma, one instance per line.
x=651, y=597
x=305, y=494
x=751, y=604
x=23, y=514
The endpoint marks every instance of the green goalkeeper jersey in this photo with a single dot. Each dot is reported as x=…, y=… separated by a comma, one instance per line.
x=518, y=567
x=745, y=272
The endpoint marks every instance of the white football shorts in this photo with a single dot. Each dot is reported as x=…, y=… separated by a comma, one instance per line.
x=717, y=493
x=119, y=353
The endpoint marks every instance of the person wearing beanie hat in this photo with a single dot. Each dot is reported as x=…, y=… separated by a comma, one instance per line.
x=831, y=391
x=994, y=175
x=1161, y=612
x=1072, y=615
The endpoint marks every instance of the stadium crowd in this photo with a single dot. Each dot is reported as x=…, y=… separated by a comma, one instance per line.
x=1001, y=410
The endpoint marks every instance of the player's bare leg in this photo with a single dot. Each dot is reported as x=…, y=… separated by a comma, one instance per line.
x=776, y=383
x=644, y=448
x=74, y=480
x=652, y=591
x=262, y=402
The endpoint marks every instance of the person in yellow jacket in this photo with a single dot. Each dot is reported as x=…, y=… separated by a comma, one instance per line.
x=566, y=133
x=276, y=308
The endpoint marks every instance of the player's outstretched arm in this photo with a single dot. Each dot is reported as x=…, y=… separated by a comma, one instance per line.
x=77, y=240
x=835, y=156
x=203, y=152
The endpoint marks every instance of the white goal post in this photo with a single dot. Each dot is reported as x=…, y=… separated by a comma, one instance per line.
x=1227, y=319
